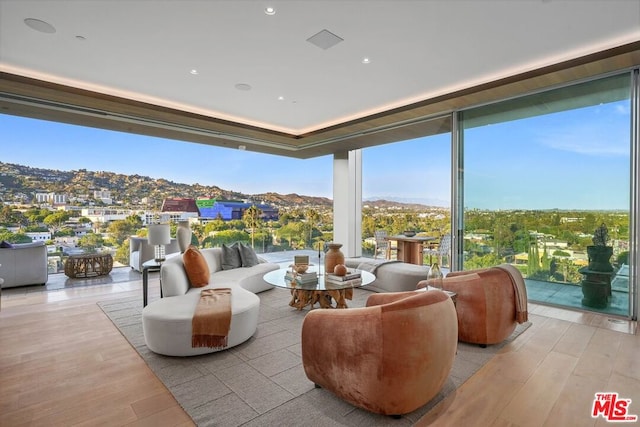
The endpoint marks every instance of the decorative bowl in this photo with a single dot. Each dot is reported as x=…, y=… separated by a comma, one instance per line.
x=409, y=233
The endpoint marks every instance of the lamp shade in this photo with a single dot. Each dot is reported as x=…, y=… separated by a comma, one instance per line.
x=159, y=234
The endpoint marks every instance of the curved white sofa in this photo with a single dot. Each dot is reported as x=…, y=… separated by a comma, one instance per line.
x=166, y=323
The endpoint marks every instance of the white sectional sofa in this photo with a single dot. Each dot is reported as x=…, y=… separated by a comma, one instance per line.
x=167, y=322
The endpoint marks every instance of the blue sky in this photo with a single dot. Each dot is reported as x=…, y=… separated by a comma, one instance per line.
x=577, y=159
x=545, y=162
x=52, y=145
x=44, y=144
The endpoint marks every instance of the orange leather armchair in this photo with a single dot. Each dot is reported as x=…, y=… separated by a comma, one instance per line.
x=390, y=357
x=490, y=302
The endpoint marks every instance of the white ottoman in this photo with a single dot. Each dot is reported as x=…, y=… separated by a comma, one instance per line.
x=391, y=276
x=166, y=323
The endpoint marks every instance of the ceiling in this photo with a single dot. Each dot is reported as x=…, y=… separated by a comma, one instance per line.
x=226, y=73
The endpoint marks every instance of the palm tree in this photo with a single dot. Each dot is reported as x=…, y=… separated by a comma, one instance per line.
x=251, y=218
x=313, y=218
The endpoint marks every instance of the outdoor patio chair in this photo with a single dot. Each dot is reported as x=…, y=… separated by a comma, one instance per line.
x=439, y=250
x=382, y=244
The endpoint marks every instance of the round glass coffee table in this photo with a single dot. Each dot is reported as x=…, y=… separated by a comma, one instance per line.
x=323, y=292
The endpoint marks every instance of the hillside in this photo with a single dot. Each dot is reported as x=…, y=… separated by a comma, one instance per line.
x=19, y=182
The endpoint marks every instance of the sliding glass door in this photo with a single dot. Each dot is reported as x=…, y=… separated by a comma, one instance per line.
x=538, y=175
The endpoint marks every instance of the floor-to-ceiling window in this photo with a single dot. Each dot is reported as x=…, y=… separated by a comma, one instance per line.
x=407, y=186
x=539, y=174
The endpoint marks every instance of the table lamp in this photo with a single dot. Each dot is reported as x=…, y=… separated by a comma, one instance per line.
x=158, y=236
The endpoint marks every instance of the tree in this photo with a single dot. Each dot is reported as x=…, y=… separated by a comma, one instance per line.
x=10, y=237
x=483, y=261
x=56, y=220
x=91, y=241
x=64, y=232
x=533, y=265
x=589, y=223
x=292, y=233
x=312, y=218
x=134, y=221
x=10, y=216
x=84, y=220
x=368, y=224
x=198, y=234
x=122, y=253
x=225, y=237
x=251, y=218
x=215, y=225
x=120, y=230
x=36, y=216
x=546, y=260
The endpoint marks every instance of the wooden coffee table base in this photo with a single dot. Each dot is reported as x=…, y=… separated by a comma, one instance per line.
x=300, y=298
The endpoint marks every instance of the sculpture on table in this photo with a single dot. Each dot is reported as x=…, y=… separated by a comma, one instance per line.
x=183, y=235
x=596, y=285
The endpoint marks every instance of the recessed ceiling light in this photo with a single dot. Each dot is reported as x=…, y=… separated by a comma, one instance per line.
x=366, y=60
x=269, y=11
x=194, y=72
x=39, y=25
x=243, y=86
x=281, y=98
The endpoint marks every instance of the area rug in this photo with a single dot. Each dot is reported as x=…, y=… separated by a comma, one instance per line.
x=262, y=381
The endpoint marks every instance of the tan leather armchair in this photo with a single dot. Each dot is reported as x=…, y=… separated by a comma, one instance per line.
x=390, y=357
x=490, y=302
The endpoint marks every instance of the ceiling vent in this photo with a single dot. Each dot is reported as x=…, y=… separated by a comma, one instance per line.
x=324, y=39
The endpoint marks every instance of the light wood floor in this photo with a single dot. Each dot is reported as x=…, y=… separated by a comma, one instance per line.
x=63, y=363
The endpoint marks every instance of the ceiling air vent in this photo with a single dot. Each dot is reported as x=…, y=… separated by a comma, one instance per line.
x=324, y=39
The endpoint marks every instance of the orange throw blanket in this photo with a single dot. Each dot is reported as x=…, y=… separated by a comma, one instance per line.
x=212, y=319
x=520, y=291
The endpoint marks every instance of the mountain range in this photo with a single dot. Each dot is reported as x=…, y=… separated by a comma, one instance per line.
x=20, y=181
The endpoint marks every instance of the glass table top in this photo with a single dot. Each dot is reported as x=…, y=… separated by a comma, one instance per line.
x=277, y=278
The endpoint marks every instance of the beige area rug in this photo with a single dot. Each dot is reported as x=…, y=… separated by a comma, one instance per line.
x=262, y=382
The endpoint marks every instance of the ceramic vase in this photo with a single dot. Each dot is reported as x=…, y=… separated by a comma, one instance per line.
x=183, y=234
x=333, y=257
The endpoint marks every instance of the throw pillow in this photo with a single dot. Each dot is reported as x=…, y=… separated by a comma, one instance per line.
x=248, y=255
x=196, y=267
x=231, y=257
x=5, y=244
